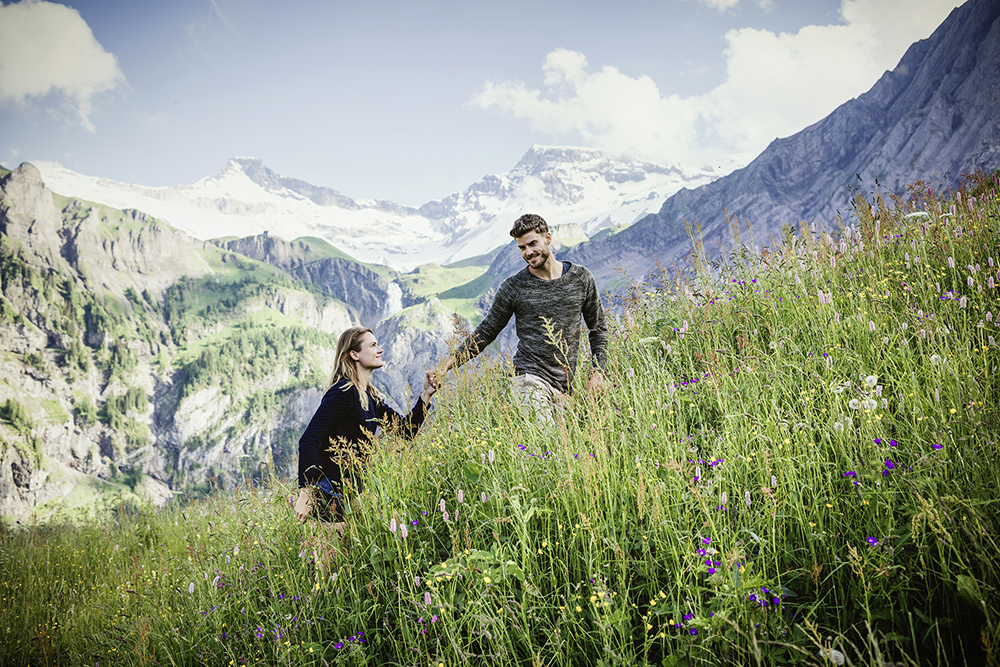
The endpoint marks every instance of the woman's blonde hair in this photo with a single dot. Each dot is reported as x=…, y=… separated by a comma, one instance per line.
x=345, y=368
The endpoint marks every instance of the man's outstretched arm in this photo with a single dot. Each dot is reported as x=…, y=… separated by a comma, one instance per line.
x=500, y=313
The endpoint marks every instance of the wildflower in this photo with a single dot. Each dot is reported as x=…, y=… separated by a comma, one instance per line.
x=461, y=496
x=746, y=498
x=872, y=541
x=191, y=589
x=774, y=482
x=392, y=526
x=489, y=456
x=962, y=302
x=871, y=380
x=935, y=359
x=427, y=599
x=442, y=504
x=951, y=262
x=871, y=326
x=701, y=552
x=403, y=532
x=854, y=404
x=892, y=443
x=831, y=655
x=838, y=427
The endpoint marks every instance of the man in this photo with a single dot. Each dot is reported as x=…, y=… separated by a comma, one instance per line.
x=547, y=298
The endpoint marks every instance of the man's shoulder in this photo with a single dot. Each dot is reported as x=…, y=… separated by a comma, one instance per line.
x=516, y=280
x=580, y=271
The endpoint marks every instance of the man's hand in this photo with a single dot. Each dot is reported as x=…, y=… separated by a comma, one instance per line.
x=594, y=386
x=303, y=505
x=447, y=365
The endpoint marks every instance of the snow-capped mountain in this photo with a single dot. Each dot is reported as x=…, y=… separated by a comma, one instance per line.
x=564, y=185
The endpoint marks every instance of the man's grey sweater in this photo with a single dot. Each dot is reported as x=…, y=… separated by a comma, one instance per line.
x=534, y=301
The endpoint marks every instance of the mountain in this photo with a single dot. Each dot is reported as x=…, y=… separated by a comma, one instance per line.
x=566, y=185
x=932, y=118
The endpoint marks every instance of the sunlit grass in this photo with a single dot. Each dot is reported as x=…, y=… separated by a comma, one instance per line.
x=794, y=452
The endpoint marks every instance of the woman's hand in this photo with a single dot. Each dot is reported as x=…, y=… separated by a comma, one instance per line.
x=303, y=506
x=430, y=386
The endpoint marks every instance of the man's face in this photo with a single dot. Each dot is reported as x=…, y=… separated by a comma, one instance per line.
x=535, y=248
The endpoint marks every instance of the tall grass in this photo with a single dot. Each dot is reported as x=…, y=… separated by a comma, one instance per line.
x=793, y=460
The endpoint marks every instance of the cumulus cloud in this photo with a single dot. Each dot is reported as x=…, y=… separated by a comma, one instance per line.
x=48, y=48
x=776, y=84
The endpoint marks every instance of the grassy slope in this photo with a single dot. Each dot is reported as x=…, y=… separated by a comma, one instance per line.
x=801, y=455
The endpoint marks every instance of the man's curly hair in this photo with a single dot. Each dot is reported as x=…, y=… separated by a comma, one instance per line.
x=529, y=222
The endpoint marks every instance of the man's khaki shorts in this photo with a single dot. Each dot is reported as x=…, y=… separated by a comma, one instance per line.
x=537, y=398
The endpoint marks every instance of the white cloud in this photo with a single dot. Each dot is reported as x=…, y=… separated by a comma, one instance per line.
x=48, y=48
x=776, y=85
x=723, y=5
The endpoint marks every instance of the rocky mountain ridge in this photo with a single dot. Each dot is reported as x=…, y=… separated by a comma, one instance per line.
x=931, y=119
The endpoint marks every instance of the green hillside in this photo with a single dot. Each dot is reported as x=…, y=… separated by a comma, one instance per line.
x=791, y=460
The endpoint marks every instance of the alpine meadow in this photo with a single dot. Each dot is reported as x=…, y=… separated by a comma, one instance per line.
x=793, y=461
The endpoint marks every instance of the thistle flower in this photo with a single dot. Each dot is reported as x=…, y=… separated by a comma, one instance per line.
x=832, y=655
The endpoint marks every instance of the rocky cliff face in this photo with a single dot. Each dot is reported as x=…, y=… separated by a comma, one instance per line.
x=934, y=117
x=106, y=319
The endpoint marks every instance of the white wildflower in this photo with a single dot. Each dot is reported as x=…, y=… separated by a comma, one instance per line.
x=832, y=655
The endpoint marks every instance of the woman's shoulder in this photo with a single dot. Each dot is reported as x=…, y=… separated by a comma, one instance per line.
x=340, y=390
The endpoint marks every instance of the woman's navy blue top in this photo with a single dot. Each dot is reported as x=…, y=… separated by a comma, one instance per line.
x=340, y=433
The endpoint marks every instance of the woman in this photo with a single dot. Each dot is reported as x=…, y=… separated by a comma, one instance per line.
x=339, y=435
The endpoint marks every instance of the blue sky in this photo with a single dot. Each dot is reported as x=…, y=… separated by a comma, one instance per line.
x=412, y=101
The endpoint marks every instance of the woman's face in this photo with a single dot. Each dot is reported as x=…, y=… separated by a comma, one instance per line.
x=370, y=355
